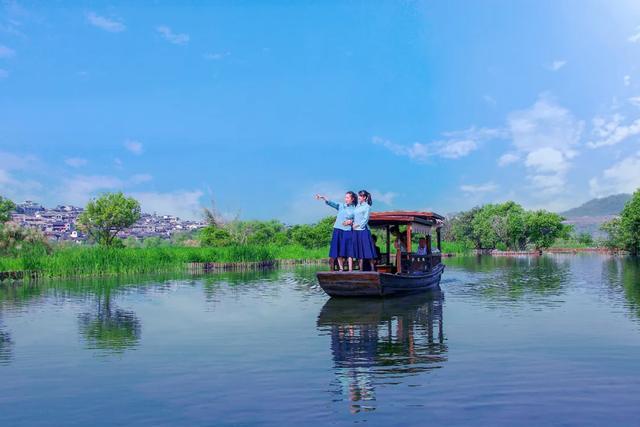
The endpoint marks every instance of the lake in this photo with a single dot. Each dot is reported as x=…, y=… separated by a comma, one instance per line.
x=552, y=340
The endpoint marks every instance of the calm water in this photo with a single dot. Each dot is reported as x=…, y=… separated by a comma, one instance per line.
x=532, y=341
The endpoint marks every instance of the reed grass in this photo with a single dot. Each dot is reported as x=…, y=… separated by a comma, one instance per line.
x=98, y=260
x=459, y=248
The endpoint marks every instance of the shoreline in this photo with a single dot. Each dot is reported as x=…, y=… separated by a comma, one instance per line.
x=215, y=267
x=189, y=268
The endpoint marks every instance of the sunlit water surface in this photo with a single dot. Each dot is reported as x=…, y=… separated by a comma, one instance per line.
x=529, y=341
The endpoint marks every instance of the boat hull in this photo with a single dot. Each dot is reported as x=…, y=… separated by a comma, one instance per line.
x=373, y=284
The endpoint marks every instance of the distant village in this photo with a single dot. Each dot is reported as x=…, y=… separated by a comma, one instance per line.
x=59, y=223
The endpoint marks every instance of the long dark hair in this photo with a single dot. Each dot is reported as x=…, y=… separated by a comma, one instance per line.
x=366, y=195
x=353, y=197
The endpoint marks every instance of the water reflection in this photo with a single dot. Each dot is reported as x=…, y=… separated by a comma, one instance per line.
x=381, y=342
x=108, y=327
x=5, y=347
x=623, y=273
x=509, y=280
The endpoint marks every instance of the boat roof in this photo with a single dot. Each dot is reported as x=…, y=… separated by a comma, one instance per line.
x=404, y=217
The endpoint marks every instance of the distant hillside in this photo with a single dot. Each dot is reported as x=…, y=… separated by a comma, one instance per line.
x=605, y=206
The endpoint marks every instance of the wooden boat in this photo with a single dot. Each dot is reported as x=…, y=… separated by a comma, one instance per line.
x=399, y=274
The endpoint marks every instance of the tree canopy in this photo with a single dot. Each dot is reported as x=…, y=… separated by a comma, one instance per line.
x=236, y=232
x=624, y=232
x=6, y=206
x=507, y=226
x=104, y=217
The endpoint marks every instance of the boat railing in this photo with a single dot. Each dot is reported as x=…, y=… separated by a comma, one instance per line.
x=411, y=263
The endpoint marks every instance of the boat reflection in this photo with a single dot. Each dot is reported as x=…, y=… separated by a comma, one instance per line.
x=382, y=342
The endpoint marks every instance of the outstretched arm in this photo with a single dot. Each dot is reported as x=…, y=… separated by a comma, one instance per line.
x=328, y=202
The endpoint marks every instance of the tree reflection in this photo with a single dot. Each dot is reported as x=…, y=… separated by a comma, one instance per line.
x=509, y=279
x=5, y=347
x=624, y=272
x=108, y=327
x=382, y=341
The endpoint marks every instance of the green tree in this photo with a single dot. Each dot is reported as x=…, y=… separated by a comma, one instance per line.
x=6, y=206
x=462, y=227
x=585, y=239
x=630, y=224
x=106, y=216
x=543, y=228
x=213, y=235
x=313, y=235
x=615, y=239
x=500, y=225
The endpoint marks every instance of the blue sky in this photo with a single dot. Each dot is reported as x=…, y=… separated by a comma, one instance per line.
x=261, y=104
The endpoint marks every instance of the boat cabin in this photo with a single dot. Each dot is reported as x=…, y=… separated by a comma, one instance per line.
x=406, y=225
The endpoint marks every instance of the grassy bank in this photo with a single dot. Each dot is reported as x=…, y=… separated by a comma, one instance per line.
x=96, y=260
x=458, y=248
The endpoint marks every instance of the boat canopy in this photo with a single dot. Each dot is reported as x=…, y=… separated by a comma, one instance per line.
x=381, y=219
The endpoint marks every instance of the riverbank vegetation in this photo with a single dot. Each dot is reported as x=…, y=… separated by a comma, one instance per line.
x=100, y=260
x=220, y=241
x=624, y=232
x=506, y=226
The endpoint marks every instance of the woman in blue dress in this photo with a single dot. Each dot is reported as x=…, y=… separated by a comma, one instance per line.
x=363, y=246
x=341, y=241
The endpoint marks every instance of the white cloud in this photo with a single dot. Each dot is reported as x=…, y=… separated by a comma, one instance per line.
x=557, y=64
x=78, y=189
x=141, y=178
x=10, y=161
x=612, y=131
x=634, y=100
x=134, y=146
x=545, y=124
x=18, y=188
x=457, y=149
x=75, y=162
x=111, y=25
x=6, y=52
x=3, y=74
x=185, y=204
x=622, y=177
x=382, y=197
x=172, y=37
x=547, y=159
x=487, y=187
x=215, y=56
x=459, y=144
x=507, y=159
x=627, y=80
x=547, y=135
x=490, y=100
x=635, y=37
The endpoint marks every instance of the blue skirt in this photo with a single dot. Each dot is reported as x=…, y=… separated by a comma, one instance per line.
x=341, y=244
x=363, y=246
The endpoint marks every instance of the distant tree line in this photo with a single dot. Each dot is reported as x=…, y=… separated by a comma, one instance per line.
x=221, y=232
x=506, y=226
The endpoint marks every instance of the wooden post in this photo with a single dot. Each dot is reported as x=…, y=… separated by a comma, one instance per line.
x=388, y=246
x=439, y=237
x=428, y=244
x=408, y=238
